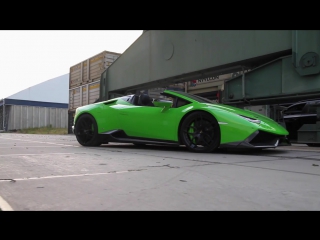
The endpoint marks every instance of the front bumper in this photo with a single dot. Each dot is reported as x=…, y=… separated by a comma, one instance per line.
x=260, y=139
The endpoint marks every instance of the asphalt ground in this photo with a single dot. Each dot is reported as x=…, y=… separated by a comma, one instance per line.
x=55, y=173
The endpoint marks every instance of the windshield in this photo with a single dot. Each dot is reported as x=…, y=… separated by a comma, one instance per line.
x=195, y=97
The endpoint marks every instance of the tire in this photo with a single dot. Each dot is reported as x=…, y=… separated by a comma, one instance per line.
x=86, y=131
x=200, y=132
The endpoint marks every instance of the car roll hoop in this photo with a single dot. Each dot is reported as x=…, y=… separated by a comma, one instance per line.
x=145, y=100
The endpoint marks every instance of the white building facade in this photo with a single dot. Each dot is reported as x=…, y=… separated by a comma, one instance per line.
x=44, y=104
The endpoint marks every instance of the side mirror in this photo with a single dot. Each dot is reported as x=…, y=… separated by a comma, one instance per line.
x=165, y=108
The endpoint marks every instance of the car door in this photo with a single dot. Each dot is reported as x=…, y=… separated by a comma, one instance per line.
x=150, y=122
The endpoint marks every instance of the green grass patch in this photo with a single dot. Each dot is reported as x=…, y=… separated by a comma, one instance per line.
x=44, y=130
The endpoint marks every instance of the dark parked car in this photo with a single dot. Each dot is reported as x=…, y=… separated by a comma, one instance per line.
x=298, y=114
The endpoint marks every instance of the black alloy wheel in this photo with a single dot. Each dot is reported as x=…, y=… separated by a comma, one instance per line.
x=200, y=132
x=86, y=131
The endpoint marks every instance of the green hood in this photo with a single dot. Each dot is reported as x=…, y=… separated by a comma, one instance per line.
x=267, y=124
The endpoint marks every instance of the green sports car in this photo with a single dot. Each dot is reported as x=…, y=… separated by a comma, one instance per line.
x=177, y=119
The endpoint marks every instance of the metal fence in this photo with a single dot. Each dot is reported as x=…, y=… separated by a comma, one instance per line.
x=23, y=117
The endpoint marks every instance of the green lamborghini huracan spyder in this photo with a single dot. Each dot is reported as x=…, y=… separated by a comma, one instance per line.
x=182, y=119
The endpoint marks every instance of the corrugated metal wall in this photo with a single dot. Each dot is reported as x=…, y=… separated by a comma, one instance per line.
x=22, y=117
x=1, y=116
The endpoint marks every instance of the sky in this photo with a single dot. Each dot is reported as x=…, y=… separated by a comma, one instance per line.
x=31, y=57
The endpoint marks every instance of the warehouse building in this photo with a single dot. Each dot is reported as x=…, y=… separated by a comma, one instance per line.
x=44, y=104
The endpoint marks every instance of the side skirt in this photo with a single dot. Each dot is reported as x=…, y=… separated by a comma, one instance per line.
x=122, y=137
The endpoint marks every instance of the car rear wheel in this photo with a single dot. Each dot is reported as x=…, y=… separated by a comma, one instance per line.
x=86, y=131
x=200, y=132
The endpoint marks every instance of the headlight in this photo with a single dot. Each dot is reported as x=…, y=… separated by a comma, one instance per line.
x=251, y=119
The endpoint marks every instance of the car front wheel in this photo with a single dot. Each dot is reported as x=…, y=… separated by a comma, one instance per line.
x=200, y=132
x=86, y=131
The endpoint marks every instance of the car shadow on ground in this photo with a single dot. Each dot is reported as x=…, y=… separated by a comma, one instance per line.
x=184, y=149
